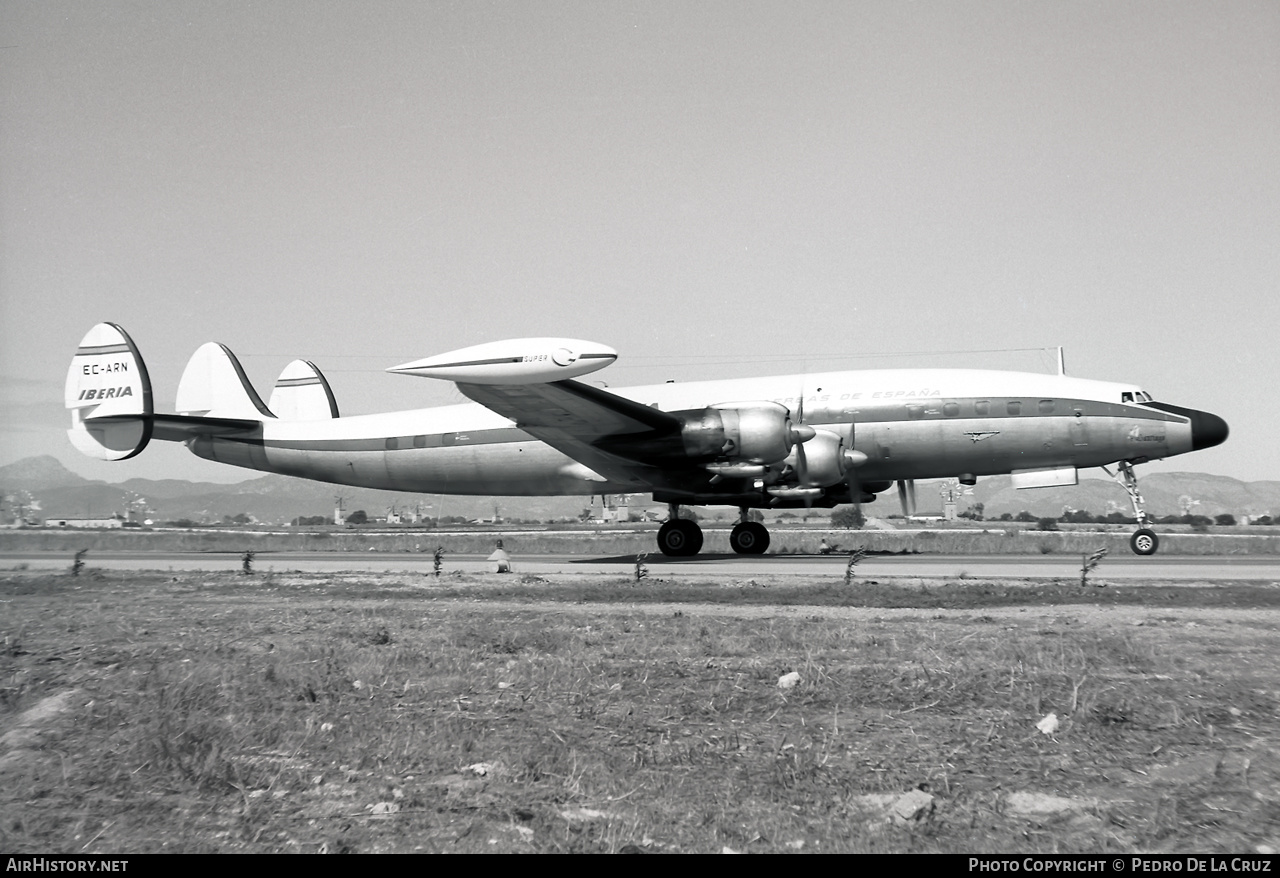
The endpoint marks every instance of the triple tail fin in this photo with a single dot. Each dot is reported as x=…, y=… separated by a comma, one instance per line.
x=302, y=394
x=214, y=386
x=108, y=393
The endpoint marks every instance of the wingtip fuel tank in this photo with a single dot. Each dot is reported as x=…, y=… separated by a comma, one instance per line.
x=514, y=361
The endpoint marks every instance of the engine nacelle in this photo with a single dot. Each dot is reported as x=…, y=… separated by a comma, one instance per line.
x=730, y=439
x=744, y=432
x=825, y=460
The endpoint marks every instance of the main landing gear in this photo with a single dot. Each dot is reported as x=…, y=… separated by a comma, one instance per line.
x=748, y=537
x=1144, y=540
x=679, y=537
x=682, y=538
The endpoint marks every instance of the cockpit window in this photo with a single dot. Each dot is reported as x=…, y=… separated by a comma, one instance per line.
x=1126, y=396
x=1135, y=396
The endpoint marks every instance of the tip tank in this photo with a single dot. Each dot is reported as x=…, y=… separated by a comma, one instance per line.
x=514, y=361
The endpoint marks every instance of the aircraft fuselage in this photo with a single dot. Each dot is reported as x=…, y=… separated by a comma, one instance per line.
x=910, y=424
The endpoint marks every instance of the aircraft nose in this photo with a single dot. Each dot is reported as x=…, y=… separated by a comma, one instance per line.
x=1207, y=430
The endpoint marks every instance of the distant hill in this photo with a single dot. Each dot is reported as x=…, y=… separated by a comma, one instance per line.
x=1164, y=494
x=272, y=498
x=61, y=493
x=38, y=474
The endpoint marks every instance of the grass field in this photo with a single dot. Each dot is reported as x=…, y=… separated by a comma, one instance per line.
x=384, y=712
x=995, y=538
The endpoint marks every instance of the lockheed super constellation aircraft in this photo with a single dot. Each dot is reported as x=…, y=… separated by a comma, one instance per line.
x=776, y=442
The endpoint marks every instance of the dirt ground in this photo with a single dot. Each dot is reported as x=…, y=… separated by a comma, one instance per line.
x=381, y=712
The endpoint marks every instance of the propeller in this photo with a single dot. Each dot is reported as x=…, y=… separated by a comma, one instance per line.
x=805, y=488
x=802, y=460
x=851, y=476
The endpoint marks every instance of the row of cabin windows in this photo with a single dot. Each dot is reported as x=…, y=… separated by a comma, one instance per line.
x=982, y=408
x=421, y=441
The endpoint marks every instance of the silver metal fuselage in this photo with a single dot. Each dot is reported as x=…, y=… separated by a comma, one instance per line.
x=910, y=424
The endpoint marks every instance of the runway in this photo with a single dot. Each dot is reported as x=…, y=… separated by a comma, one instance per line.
x=1175, y=568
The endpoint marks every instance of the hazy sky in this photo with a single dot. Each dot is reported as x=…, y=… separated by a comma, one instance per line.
x=713, y=189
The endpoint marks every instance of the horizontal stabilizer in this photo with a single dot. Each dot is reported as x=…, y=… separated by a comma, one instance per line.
x=179, y=428
x=108, y=393
x=214, y=385
x=302, y=394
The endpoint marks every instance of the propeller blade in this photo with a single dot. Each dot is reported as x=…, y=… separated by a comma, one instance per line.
x=802, y=473
x=801, y=432
x=907, y=496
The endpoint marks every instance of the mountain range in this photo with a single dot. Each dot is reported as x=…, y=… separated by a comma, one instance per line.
x=278, y=499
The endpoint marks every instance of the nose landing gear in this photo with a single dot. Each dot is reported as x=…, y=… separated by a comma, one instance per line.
x=1144, y=540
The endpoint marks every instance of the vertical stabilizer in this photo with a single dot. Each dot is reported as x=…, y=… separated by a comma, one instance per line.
x=108, y=393
x=214, y=385
x=302, y=394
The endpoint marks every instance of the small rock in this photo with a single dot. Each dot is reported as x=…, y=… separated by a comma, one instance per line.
x=1049, y=724
x=1026, y=804
x=788, y=681
x=913, y=807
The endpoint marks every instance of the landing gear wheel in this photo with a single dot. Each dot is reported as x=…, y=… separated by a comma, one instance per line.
x=680, y=538
x=749, y=538
x=1144, y=542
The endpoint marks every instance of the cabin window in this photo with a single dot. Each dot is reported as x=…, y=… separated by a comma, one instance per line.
x=915, y=411
x=951, y=409
x=982, y=407
x=393, y=443
x=1014, y=407
x=419, y=441
x=1046, y=406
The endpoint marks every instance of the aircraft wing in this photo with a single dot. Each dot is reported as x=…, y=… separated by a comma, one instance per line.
x=573, y=417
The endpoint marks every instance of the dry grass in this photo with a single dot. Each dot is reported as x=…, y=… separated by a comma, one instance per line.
x=996, y=538
x=219, y=712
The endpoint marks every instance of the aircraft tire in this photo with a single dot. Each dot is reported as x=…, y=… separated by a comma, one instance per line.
x=1144, y=542
x=749, y=538
x=680, y=538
